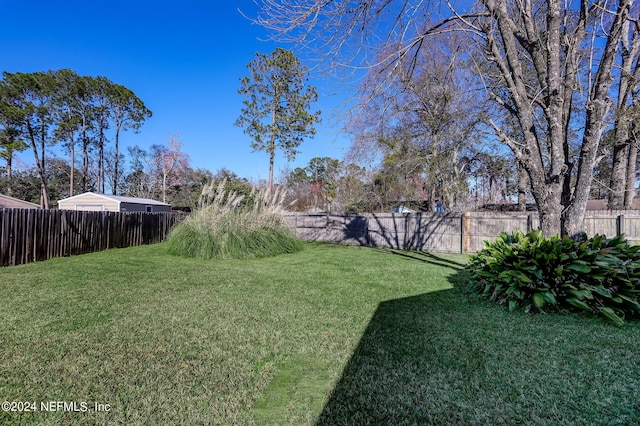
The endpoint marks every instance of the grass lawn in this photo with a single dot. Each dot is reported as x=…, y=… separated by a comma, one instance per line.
x=330, y=335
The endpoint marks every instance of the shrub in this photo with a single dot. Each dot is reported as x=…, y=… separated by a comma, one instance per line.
x=598, y=276
x=225, y=227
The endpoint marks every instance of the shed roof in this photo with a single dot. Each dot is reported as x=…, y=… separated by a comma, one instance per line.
x=15, y=203
x=122, y=199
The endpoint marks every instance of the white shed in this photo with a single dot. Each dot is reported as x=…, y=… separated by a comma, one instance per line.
x=113, y=203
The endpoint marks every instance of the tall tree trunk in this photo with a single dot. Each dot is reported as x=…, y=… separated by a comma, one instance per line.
x=43, y=181
x=523, y=183
x=85, y=162
x=573, y=217
x=101, y=162
x=272, y=156
x=164, y=187
x=632, y=167
x=9, y=162
x=620, y=161
x=272, y=145
x=596, y=110
x=114, y=188
x=44, y=198
x=549, y=201
x=72, y=153
x=629, y=49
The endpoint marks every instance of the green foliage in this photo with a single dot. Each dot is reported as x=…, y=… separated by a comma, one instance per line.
x=316, y=185
x=276, y=112
x=41, y=109
x=225, y=227
x=598, y=276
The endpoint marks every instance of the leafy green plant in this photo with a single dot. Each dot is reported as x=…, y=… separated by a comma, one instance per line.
x=598, y=276
x=226, y=227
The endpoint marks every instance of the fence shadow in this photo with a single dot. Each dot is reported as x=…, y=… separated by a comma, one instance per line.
x=441, y=232
x=401, y=231
x=356, y=230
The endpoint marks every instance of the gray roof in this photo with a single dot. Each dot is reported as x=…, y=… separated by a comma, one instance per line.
x=123, y=199
x=135, y=200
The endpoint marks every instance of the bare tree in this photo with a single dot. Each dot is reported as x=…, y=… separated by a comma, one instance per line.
x=625, y=144
x=127, y=112
x=553, y=58
x=424, y=119
x=139, y=182
x=168, y=162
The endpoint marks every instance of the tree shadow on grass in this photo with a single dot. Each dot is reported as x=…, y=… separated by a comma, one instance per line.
x=446, y=358
x=386, y=380
x=427, y=257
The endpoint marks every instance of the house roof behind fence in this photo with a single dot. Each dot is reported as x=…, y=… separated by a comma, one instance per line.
x=123, y=199
x=135, y=200
x=15, y=203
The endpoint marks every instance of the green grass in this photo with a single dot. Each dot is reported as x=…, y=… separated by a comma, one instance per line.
x=329, y=335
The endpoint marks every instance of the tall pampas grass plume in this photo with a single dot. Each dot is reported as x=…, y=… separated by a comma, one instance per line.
x=223, y=226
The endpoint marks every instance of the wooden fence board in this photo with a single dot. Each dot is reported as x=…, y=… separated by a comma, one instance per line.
x=631, y=229
x=601, y=225
x=461, y=233
x=4, y=238
x=28, y=235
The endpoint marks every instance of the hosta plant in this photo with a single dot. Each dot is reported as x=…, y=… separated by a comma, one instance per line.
x=598, y=276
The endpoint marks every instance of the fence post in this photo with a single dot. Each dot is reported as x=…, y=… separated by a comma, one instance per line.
x=326, y=226
x=620, y=225
x=465, y=238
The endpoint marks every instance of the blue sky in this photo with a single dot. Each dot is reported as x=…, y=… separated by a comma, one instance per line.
x=182, y=58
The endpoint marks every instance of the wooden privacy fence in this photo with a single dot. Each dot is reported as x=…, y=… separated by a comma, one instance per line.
x=444, y=232
x=28, y=235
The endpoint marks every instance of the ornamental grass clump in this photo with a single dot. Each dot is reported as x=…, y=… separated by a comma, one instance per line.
x=598, y=276
x=224, y=226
